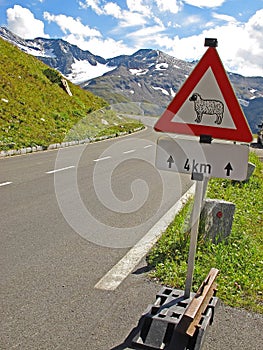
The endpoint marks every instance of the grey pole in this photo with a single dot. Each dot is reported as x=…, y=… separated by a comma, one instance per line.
x=198, y=200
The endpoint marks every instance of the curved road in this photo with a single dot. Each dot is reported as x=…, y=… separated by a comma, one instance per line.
x=67, y=218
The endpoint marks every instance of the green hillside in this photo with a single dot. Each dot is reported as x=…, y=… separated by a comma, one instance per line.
x=35, y=109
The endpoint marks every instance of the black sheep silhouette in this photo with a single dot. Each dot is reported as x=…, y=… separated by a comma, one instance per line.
x=208, y=107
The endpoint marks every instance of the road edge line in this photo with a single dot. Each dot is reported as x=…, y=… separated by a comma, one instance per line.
x=131, y=259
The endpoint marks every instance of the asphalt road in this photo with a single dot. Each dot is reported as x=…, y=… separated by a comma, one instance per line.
x=67, y=217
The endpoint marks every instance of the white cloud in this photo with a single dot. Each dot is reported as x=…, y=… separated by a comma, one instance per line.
x=22, y=22
x=255, y=26
x=106, y=48
x=192, y=20
x=250, y=51
x=205, y=3
x=113, y=9
x=138, y=6
x=168, y=5
x=225, y=18
x=88, y=38
x=132, y=19
x=240, y=46
x=71, y=25
x=158, y=21
x=190, y=48
x=136, y=15
x=93, y=4
x=143, y=36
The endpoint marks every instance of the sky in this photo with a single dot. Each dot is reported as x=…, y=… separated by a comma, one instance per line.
x=176, y=27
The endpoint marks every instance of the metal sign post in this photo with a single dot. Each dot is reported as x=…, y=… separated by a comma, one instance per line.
x=198, y=200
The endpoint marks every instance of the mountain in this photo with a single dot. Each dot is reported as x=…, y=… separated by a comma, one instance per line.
x=144, y=82
x=38, y=106
x=152, y=78
x=148, y=76
x=75, y=64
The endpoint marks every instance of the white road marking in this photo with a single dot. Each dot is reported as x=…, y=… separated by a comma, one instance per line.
x=5, y=183
x=125, y=266
x=148, y=146
x=103, y=158
x=130, y=151
x=61, y=169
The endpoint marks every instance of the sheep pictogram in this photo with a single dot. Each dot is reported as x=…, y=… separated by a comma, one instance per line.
x=209, y=107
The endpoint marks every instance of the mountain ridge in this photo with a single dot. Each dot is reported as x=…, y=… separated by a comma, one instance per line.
x=148, y=76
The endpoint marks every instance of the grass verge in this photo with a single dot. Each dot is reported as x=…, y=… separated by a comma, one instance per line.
x=35, y=109
x=239, y=259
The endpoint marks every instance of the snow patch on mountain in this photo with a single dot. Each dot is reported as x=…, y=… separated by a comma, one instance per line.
x=243, y=102
x=138, y=71
x=161, y=66
x=38, y=51
x=165, y=92
x=83, y=71
x=172, y=92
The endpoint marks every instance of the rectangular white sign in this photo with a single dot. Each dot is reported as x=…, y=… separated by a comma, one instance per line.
x=222, y=160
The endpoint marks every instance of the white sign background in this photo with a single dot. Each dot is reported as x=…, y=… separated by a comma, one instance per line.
x=208, y=89
x=212, y=160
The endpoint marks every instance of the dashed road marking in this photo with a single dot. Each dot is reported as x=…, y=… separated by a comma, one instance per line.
x=103, y=158
x=148, y=146
x=61, y=169
x=130, y=151
x=5, y=183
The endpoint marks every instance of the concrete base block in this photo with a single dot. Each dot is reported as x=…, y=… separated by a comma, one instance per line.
x=157, y=328
x=216, y=219
x=250, y=169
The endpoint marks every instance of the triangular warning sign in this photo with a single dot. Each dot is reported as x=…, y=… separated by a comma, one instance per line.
x=206, y=105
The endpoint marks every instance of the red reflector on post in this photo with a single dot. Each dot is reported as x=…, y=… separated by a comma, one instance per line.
x=219, y=214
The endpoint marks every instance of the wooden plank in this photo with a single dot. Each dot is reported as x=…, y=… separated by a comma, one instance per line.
x=193, y=313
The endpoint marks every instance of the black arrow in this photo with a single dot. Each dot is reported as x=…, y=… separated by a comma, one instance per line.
x=170, y=161
x=228, y=169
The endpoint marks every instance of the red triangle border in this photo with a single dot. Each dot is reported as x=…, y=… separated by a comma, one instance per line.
x=242, y=132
